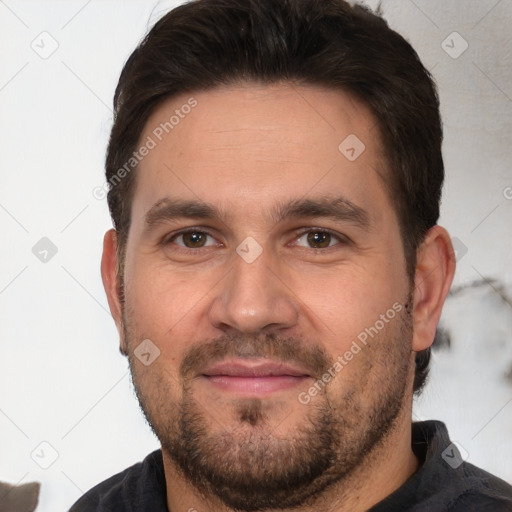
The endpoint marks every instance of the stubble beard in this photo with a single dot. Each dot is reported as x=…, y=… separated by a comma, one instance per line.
x=245, y=463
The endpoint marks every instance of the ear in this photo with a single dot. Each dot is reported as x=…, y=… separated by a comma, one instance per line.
x=435, y=268
x=111, y=283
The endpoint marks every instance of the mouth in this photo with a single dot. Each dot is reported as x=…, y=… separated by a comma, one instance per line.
x=254, y=377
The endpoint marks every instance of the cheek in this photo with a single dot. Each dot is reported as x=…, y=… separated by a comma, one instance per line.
x=166, y=307
x=374, y=359
x=342, y=304
x=157, y=295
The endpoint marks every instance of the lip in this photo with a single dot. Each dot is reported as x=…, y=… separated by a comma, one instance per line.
x=254, y=368
x=254, y=377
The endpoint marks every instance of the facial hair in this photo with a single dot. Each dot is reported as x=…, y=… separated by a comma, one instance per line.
x=246, y=464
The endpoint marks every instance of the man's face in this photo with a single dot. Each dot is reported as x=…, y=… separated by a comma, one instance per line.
x=277, y=297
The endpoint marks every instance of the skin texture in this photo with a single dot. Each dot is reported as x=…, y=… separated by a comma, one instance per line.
x=304, y=300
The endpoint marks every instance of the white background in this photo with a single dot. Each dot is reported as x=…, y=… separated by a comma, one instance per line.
x=62, y=379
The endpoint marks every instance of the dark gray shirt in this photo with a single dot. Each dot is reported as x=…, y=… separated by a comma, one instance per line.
x=443, y=483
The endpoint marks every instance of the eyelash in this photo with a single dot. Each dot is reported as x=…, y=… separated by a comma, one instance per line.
x=342, y=239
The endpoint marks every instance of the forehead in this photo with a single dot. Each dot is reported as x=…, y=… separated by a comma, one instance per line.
x=260, y=142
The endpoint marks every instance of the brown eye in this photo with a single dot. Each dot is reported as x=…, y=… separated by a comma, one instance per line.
x=319, y=239
x=192, y=239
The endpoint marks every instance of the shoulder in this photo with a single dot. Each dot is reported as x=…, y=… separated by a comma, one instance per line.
x=482, y=492
x=143, y=482
x=444, y=482
x=462, y=486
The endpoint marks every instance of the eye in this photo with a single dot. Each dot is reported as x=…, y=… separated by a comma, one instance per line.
x=318, y=239
x=192, y=239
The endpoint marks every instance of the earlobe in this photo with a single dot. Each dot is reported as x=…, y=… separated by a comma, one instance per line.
x=110, y=277
x=435, y=268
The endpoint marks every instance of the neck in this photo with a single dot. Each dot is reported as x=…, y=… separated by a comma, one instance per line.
x=381, y=473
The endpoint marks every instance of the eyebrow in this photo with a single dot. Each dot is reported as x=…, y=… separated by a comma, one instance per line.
x=335, y=208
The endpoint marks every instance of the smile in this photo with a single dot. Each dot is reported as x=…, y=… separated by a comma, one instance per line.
x=254, y=377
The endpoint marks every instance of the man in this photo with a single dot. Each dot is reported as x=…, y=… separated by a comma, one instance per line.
x=276, y=273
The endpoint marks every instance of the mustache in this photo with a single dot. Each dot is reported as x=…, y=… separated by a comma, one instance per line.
x=271, y=346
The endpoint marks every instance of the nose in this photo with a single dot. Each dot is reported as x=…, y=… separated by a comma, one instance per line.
x=253, y=298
